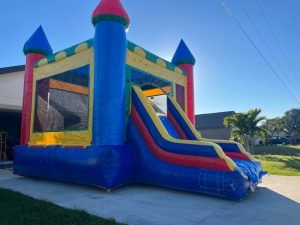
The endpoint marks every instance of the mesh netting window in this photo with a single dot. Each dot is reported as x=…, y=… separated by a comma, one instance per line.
x=62, y=101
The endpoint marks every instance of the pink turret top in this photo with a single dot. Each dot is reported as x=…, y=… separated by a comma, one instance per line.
x=110, y=10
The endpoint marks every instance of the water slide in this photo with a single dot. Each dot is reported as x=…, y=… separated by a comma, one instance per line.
x=168, y=156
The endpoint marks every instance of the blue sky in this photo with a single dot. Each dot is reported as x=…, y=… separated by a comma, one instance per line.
x=229, y=73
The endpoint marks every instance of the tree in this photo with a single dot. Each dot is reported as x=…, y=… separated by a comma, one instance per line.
x=246, y=126
x=292, y=122
x=274, y=127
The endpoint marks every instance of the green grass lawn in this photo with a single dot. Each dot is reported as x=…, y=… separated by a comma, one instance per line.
x=18, y=209
x=280, y=160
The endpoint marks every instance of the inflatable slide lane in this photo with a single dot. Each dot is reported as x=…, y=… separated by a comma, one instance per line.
x=236, y=151
x=179, y=163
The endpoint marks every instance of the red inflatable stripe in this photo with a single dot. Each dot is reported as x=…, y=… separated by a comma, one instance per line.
x=237, y=155
x=178, y=159
x=176, y=126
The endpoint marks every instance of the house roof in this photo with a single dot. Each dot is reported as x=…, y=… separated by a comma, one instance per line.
x=211, y=120
x=12, y=69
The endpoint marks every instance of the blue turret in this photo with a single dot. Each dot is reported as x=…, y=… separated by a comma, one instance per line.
x=183, y=55
x=38, y=43
x=110, y=21
x=35, y=48
x=185, y=60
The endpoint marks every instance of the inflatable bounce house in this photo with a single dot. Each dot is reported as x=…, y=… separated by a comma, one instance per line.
x=88, y=117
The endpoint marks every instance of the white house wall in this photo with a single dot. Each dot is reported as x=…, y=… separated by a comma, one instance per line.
x=11, y=90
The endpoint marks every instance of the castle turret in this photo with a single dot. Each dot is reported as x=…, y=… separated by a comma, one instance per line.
x=35, y=48
x=184, y=59
x=110, y=20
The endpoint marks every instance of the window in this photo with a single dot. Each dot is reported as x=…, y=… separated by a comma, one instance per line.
x=62, y=101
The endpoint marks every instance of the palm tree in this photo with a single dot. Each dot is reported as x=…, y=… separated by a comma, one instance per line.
x=246, y=126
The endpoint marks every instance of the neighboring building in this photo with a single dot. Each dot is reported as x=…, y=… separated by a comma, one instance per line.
x=11, y=87
x=211, y=125
x=11, y=97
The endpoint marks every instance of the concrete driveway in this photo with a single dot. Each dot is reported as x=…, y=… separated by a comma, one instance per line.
x=276, y=201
